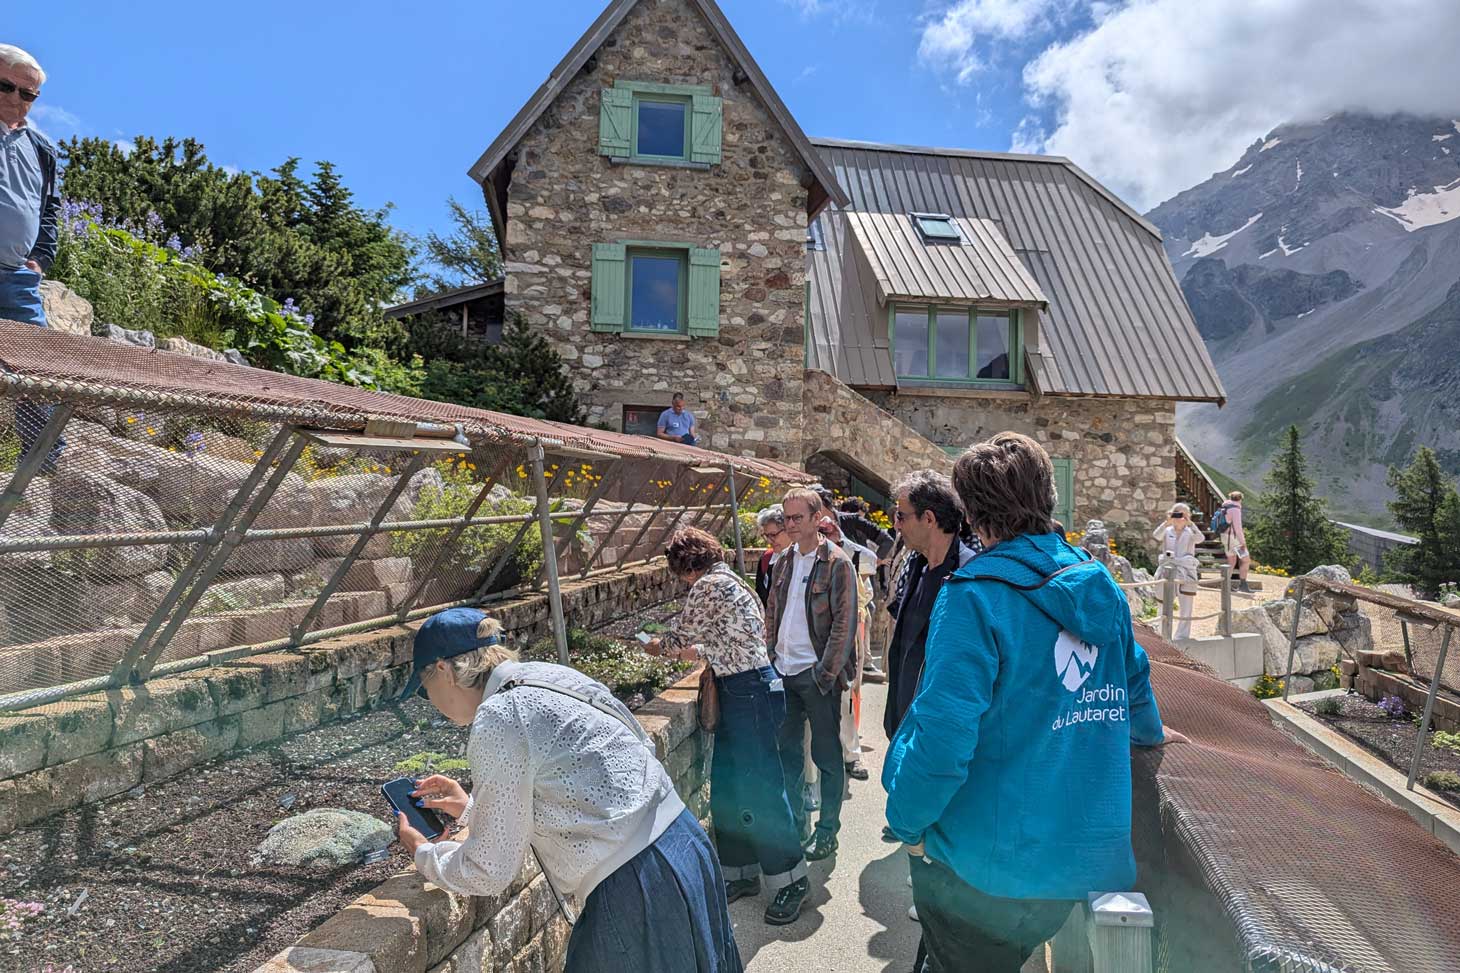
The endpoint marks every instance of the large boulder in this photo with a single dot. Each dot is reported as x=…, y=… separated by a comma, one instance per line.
x=1355, y=632
x=121, y=603
x=1317, y=653
x=353, y=500
x=92, y=449
x=1274, y=642
x=31, y=519
x=65, y=309
x=89, y=503
x=244, y=593
x=1324, y=572
x=1281, y=613
x=264, y=557
x=202, y=487
x=126, y=336
x=182, y=346
x=325, y=838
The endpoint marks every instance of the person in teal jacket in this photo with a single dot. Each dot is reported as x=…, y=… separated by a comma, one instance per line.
x=1010, y=777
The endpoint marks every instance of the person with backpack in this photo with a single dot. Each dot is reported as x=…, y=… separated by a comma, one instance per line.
x=1227, y=523
x=561, y=768
x=1009, y=779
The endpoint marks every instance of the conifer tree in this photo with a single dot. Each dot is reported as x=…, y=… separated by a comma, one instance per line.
x=1292, y=530
x=1427, y=505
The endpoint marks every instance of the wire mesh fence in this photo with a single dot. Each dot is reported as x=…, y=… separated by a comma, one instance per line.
x=147, y=530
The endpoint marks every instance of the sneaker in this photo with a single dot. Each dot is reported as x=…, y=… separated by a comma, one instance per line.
x=856, y=771
x=912, y=913
x=822, y=845
x=741, y=888
x=785, y=908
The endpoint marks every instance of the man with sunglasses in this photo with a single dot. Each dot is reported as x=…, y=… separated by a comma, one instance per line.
x=30, y=203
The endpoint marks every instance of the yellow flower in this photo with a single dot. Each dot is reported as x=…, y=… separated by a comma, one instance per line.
x=471, y=466
x=131, y=419
x=151, y=431
x=257, y=453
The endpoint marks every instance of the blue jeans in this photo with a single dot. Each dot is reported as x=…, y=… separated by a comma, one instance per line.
x=20, y=300
x=662, y=911
x=755, y=830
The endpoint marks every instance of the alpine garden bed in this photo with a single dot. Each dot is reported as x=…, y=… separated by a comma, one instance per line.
x=1388, y=730
x=164, y=879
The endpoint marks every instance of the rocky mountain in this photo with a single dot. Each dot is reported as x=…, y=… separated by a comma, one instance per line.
x=1323, y=268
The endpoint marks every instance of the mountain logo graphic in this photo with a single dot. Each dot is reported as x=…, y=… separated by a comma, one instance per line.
x=1074, y=660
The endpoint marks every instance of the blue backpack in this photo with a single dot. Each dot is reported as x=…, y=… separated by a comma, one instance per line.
x=1220, y=524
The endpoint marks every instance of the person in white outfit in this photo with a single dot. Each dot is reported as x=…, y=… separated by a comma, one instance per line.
x=1178, y=537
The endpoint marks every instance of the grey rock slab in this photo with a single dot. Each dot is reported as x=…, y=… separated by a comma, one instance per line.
x=90, y=503
x=65, y=309
x=139, y=338
x=325, y=838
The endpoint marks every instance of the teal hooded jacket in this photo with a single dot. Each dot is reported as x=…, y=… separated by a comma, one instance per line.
x=1013, y=766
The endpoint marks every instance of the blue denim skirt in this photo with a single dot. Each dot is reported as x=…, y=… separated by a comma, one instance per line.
x=663, y=911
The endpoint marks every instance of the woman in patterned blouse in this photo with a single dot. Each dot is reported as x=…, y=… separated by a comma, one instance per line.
x=722, y=623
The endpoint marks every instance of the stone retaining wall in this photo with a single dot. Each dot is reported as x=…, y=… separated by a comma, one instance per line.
x=408, y=925
x=92, y=747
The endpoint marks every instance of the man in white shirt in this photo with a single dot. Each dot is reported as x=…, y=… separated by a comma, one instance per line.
x=811, y=633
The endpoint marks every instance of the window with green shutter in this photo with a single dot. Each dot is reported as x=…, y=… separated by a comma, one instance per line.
x=1064, y=487
x=665, y=124
x=648, y=288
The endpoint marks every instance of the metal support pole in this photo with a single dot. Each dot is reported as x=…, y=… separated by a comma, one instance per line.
x=126, y=667
x=1168, y=607
x=504, y=558
x=650, y=470
x=338, y=578
x=1224, y=623
x=1408, y=654
x=1293, y=637
x=220, y=558
x=732, y=508
x=445, y=547
x=549, y=552
x=35, y=458
x=735, y=522
x=1423, y=737
x=664, y=502
x=578, y=521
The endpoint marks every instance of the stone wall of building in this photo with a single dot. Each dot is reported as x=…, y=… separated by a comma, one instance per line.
x=1123, y=451
x=850, y=430
x=745, y=385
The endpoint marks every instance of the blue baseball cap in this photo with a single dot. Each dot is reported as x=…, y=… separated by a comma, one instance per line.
x=445, y=635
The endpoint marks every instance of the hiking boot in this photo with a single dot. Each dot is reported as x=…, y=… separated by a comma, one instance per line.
x=741, y=888
x=856, y=770
x=785, y=908
x=1245, y=588
x=822, y=845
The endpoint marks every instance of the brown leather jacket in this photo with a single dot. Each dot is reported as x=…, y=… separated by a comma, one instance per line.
x=831, y=613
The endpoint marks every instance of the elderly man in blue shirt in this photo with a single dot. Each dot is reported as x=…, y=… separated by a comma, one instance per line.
x=30, y=203
x=30, y=206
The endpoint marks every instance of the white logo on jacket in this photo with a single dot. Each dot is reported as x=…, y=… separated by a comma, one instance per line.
x=1074, y=660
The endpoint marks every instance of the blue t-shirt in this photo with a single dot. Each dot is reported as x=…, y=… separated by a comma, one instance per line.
x=676, y=424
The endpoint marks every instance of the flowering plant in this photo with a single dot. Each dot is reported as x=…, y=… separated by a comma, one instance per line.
x=1394, y=707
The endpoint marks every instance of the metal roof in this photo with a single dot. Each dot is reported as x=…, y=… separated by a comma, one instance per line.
x=1116, y=319
x=484, y=168
x=451, y=298
x=980, y=268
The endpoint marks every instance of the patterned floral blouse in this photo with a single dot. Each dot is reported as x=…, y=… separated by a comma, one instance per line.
x=723, y=620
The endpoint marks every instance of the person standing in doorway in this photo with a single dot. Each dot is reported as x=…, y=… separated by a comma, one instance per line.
x=1234, y=541
x=677, y=424
x=811, y=632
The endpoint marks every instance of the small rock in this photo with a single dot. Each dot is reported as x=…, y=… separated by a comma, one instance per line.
x=325, y=838
x=140, y=338
x=287, y=801
x=137, y=791
x=75, y=906
x=235, y=357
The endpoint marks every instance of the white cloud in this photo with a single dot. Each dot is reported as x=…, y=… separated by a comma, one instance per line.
x=952, y=40
x=124, y=146
x=55, y=121
x=1157, y=95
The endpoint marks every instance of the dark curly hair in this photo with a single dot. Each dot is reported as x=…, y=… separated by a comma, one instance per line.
x=1007, y=486
x=692, y=550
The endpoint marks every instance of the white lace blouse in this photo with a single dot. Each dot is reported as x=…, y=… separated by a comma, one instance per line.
x=555, y=772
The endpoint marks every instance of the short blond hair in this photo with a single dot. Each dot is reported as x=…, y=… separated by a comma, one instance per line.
x=803, y=495
x=473, y=669
x=1235, y=495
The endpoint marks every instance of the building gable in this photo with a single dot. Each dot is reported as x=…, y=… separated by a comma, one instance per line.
x=494, y=169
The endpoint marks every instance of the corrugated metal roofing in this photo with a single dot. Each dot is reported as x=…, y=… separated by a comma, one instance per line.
x=980, y=268
x=1116, y=318
x=843, y=340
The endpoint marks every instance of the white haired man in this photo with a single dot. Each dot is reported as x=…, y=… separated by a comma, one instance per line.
x=30, y=203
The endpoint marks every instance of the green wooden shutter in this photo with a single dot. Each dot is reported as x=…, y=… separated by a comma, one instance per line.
x=608, y=287
x=704, y=293
x=706, y=120
x=615, y=122
x=1064, y=485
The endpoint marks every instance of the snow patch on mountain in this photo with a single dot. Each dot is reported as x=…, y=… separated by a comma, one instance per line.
x=1287, y=251
x=1272, y=142
x=1240, y=171
x=1300, y=176
x=1441, y=138
x=1441, y=205
x=1209, y=244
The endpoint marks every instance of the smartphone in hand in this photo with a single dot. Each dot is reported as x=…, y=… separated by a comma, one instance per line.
x=423, y=819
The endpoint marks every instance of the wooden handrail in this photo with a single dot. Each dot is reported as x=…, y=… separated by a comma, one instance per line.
x=1194, y=481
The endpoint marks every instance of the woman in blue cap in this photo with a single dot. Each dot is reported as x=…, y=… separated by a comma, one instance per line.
x=561, y=767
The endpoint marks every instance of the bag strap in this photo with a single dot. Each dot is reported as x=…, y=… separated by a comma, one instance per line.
x=631, y=724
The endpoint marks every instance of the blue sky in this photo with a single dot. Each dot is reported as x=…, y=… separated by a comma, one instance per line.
x=1149, y=95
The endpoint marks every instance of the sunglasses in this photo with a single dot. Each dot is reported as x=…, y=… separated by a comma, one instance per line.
x=10, y=88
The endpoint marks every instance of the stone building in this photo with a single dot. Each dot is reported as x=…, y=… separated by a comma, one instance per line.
x=858, y=309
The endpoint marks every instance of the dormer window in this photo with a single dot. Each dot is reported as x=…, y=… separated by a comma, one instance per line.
x=937, y=228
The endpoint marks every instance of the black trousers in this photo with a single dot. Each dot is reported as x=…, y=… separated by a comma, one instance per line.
x=805, y=703
x=966, y=931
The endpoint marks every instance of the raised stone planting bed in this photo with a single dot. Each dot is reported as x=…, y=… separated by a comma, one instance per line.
x=1387, y=737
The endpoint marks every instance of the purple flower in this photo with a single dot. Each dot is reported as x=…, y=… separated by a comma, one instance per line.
x=1394, y=707
x=174, y=243
x=154, y=222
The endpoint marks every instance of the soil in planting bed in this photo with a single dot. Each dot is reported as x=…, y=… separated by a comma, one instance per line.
x=1388, y=738
x=162, y=880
